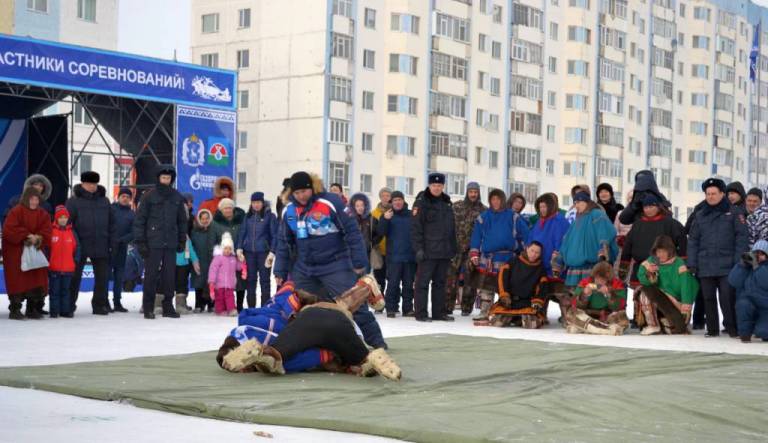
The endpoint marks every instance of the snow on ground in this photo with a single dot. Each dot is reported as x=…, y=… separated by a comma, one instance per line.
x=29, y=415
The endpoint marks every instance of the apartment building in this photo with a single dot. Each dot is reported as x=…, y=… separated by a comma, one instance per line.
x=91, y=23
x=526, y=95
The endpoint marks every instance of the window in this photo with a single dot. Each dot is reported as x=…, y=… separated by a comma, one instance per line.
x=449, y=66
x=726, y=19
x=574, y=168
x=661, y=117
x=449, y=145
x=403, y=63
x=700, y=71
x=660, y=147
x=607, y=167
x=488, y=121
x=551, y=133
x=552, y=65
x=369, y=59
x=38, y=5
x=401, y=145
x=497, y=14
x=342, y=46
x=454, y=184
x=697, y=157
x=341, y=89
x=723, y=129
x=724, y=157
x=660, y=57
x=551, y=99
x=121, y=171
x=550, y=167
x=242, y=181
x=579, y=34
x=724, y=101
x=662, y=89
x=527, y=52
x=682, y=9
x=482, y=80
x=635, y=84
x=482, y=42
x=578, y=67
x=554, y=30
x=81, y=116
x=244, y=18
x=726, y=45
x=525, y=87
x=613, y=38
x=366, y=183
x=367, y=142
x=576, y=136
x=496, y=50
x=526, y=122
x=339, y=131
x=210, y=23
x=82, y=164
x=242, y=139
x=405, y=23
x=701, y=13
x=406, y=185
x=343, y=8
x=210, y=60
x=615, y=7
x=243, y=58
x=402, y=104
x=493, y=159
x=495, y=86
x=663, y=28
x=479, y=155
x=527, y=16
x=610, y=103
x=698, y=128
x=447, y=105
x=608, y=135
x=700, y=42
x=529, y=190
x=370, y=18
x=339, y=173
x=86, y=10
x=725, y=73
x=452, y=27
x=611, y=70
x=579, y=4
x=368, y=100
x=524, y=157
x=243, y=99
x=699, y=99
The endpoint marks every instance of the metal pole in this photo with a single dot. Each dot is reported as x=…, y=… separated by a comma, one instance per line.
x=759, y=67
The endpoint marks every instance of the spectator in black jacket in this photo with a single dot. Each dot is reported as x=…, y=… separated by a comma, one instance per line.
x=645, y=184
x=92, y=219
x=717, y=239
x=160, y=231
x=123, y=214
x=434, y=241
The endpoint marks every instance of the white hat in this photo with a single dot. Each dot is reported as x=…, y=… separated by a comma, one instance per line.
x=226, y=202
x=226, y=241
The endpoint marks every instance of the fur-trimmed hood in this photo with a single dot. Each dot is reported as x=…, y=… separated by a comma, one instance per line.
x=513, y=197
x=79, y=191
x=366, y=201
x=500, y=194
x=548, y=200
x=28, y=193
x=221, y=182
x=197, y=223
x=40, y=178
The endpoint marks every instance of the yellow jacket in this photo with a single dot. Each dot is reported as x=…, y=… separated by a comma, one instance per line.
x=377, y=212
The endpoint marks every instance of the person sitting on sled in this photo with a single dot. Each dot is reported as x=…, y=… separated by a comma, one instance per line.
x=598, y=304
x=520, y=299
x=295, y=333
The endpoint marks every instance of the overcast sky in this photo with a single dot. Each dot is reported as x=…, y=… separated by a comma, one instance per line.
x=155, y=28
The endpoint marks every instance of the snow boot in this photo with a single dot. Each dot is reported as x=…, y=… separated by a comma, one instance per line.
x=15, y=307
x=31, y=310
x=379, y=362
x=486, y=300
x=159, y=303
x=118, y=307
x=181, y=304
x=651, y=330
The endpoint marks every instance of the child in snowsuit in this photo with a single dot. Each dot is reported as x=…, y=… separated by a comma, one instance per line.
x=62, y=263
x=222, y=277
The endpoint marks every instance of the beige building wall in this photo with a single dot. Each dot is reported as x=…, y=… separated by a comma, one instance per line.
x=7, y=8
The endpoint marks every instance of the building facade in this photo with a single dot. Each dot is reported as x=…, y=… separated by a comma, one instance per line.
x=91, y=23
x=530, y=96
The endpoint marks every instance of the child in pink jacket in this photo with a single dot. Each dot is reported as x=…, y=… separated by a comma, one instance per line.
x=222, y=278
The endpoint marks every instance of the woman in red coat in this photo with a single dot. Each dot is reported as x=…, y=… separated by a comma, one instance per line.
x=27, y=224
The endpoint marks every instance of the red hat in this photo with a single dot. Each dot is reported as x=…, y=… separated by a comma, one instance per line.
x=60, y=210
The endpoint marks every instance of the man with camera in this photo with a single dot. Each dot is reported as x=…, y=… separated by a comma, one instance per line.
x=750, y=278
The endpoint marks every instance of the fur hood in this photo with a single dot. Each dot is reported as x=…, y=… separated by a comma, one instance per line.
x=500, y=194
x=82, y=193
x=366, y=201
x=513, y=197
x=317, y=188
x=196, y=221
x=221, y=182
x=549, y=201
x=40, y=178
x=28, y=193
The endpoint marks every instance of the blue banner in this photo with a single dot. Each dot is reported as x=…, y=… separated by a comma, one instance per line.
x=13, y=159
x=76, y=68
x=205, y=149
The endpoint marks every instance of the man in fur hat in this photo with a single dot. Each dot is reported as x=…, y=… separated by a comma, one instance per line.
x=93, y=221
x=465, y=214
x=322, y=248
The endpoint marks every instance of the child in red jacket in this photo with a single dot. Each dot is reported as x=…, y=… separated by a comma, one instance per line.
x=62, y=263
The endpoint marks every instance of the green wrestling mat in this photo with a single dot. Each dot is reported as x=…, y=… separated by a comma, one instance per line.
x=456, y=389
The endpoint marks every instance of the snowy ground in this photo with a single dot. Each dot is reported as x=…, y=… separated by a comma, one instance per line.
x=29, y=415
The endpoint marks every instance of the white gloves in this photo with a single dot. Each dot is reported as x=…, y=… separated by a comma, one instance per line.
x=270, y=260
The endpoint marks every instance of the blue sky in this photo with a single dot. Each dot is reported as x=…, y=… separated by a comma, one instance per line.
x=155, y=28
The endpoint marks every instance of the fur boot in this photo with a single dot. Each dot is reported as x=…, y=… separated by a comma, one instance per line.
x=181, y=304
x=15, y=307
x=159, y=304
x=33, y=307
x=486, y=300
x=379, y=362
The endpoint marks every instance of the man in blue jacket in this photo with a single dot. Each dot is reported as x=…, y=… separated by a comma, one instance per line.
x=750, y=278
x=322, y=248
x=717, y=238
x=123, y=215
x=255, y=244
x=395, y=225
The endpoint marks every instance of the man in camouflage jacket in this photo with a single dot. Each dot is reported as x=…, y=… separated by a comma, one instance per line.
x=466, y=212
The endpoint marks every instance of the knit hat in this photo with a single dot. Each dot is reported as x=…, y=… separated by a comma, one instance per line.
x=760, y=245
x=757, y=192
x=257, y=197
x=473, y=185
x=125, y=191
x=581, y=196
x=398, y=194
x=301, y=180
x=226, y=203
x=61, y=210
x=651, y=200
x=713, y=182
x=436, y=177
x=226, y=240
x=89, y=177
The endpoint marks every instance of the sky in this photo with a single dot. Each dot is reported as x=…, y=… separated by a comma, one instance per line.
x=155, y=28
